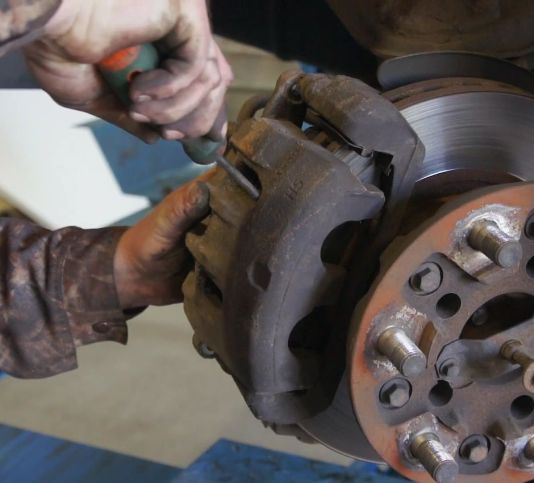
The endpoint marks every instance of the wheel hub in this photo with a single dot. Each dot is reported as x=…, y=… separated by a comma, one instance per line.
x=422, y=365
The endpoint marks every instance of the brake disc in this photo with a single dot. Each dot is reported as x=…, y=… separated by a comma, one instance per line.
x=275, y=282
x=476, y=133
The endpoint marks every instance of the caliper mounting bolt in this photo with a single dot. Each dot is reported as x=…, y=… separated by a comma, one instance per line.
x=486, y=237
x=475, y=448
x=426, y=279
x=514, y=351
x=395, y=393
x=450, y=368
x=402, y=352
x=429, y=451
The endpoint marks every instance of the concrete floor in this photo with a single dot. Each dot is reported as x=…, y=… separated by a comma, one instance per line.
x=155, y=398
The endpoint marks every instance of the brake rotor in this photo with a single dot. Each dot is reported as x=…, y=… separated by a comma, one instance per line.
x=476, y=133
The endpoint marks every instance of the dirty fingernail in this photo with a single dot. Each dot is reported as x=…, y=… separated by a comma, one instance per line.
x=139, y=117
x=143, y=98
x=198, y=197
x=171, y=134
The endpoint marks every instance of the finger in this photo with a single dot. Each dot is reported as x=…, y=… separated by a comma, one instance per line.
x=80, y=87
x=171, y=109
x=167, y=81
x=224, y=67
x=201, y=118
x=109, y=108
x=186, y=49
x=211, y=112
x=209, y=118
x=220, y=126
x=182, y=209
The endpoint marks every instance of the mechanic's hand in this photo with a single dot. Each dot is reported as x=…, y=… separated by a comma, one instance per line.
x=184, y=96
x=151, y=260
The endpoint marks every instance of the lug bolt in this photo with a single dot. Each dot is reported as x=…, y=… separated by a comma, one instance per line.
x=486, y=237
x=428, y=449
x=528, y=451
x=402, y=352
x=427, y=279
x=450, y=368
x=514, y=351
x=475, y=448
x=395, y=393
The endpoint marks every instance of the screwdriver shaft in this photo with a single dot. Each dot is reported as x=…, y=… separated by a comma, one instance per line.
x=238, y=177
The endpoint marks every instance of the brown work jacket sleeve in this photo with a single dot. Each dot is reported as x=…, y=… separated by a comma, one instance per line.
x=22, y=21
x=57, y=292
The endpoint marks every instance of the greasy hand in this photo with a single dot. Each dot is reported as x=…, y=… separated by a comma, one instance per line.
x=184, y=96
x=151, y=260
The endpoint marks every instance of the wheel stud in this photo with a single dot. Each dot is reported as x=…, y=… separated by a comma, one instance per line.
x=513, y=351
x=428, y=449
x=486, y=237
x=402, y=352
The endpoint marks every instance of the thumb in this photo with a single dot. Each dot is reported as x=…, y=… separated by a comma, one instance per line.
x=182, y=209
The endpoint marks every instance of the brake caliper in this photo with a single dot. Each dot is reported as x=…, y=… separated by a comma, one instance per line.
x=335, y=163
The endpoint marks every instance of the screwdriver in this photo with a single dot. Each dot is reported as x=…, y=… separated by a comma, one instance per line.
x=120, y=68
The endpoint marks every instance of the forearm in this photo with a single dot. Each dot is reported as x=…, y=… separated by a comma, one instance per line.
x=22, y=21
x=57, y=292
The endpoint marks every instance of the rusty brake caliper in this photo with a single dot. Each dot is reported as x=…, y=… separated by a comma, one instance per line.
x=271, y=293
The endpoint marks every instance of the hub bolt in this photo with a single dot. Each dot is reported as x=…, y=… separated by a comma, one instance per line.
x=428, y=449
x=427, y=279
x=486, y=237
x=450, y=368
x=514, y=351
x=402, y=352
x=395, y=393
x=475, y=448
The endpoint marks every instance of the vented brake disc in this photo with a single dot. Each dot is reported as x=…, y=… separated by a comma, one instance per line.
x=277, y=280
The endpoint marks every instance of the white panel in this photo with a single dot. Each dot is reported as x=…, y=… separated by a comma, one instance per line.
x=52, y=168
